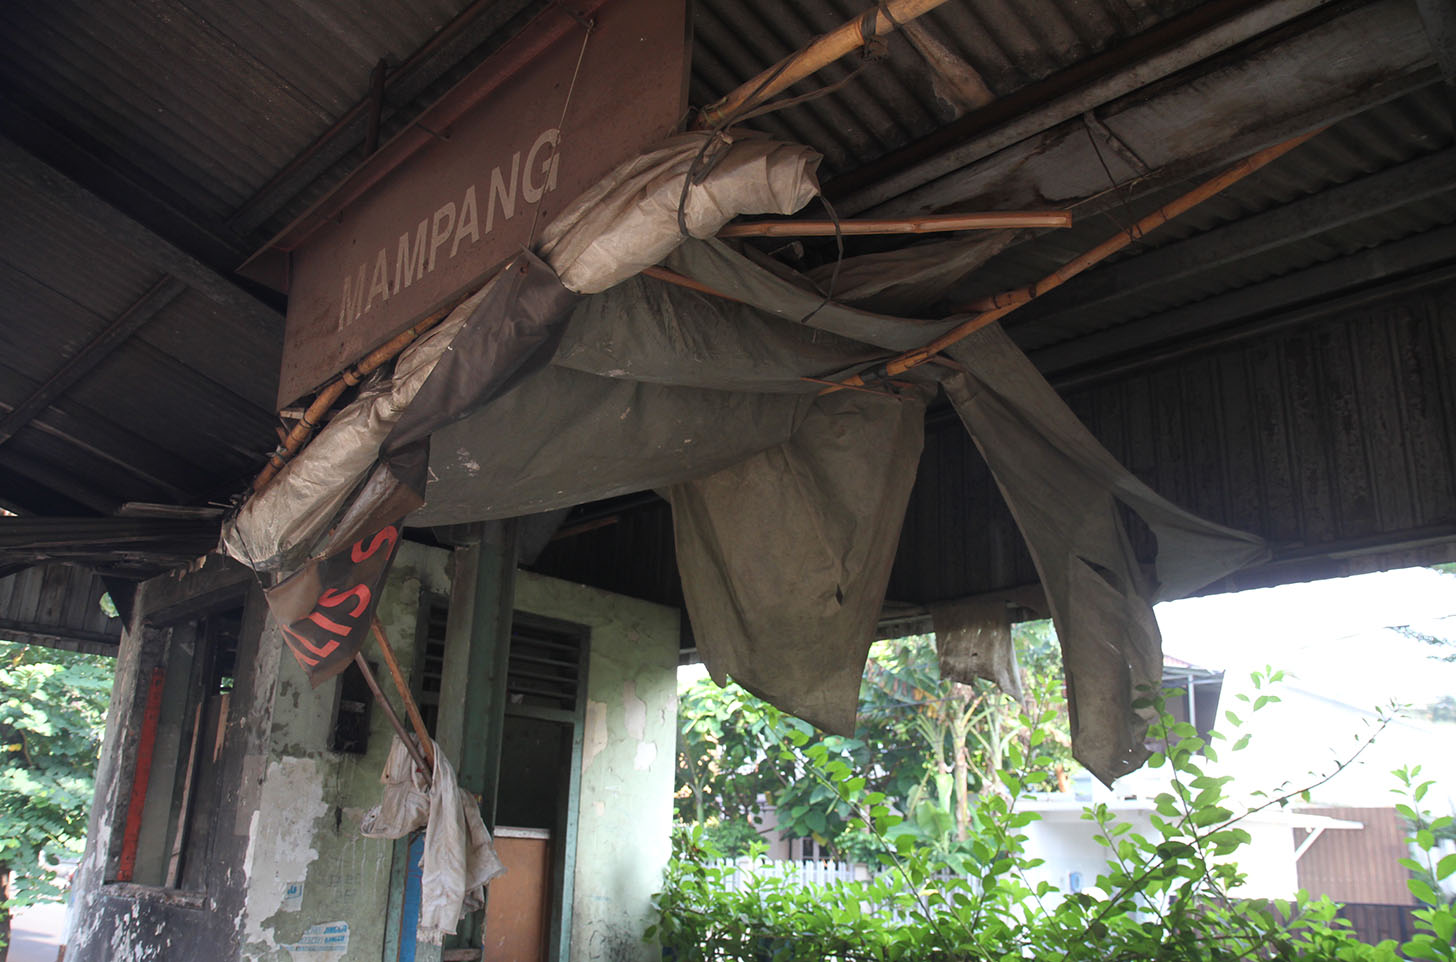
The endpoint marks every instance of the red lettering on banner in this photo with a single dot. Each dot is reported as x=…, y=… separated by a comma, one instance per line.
x=332, y=598
x=324, y=652
x=381, y=537
x=305, y=659
x=328, y=624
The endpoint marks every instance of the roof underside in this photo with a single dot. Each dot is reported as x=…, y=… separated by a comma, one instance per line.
x=149, y=148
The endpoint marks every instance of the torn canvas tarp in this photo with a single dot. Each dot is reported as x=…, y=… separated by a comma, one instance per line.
x=459, y=857
x=973, y=640
x=280, y=527
x=631, y=220
x=1074, y=504
x=786, y=505
x=608, y=234
x=327, y=603
x=785, y=555
x=909, y=280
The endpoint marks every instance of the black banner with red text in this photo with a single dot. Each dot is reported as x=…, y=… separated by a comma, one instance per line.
x=345, y=591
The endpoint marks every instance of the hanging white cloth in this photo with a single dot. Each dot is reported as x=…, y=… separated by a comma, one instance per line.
x=459, y=858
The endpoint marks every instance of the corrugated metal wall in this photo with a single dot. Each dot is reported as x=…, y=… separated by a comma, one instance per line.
x=57, y=605
x=1331, y=439
x=1335, y=439
x=1352, y=865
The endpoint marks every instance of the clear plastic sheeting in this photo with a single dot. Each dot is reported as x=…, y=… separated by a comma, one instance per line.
x=1107, y=547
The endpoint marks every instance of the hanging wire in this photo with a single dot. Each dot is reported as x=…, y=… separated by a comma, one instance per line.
x=1121, y=190
x=591, y=26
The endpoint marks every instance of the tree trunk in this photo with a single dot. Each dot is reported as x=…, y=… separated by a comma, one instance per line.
x=4, y=912
x=962, y=791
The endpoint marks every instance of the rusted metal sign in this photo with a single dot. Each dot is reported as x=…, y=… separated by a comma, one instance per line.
x=450, y=199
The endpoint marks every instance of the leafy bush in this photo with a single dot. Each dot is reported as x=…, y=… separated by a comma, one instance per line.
x=52, y=714
x=1165, y=895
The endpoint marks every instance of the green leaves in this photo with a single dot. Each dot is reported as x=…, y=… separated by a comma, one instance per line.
x=52, y=715
x=1422, y=890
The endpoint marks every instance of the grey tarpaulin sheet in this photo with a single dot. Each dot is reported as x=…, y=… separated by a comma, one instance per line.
x=625, y=222
x=566, y=437
x=910, y=279
x=787, y=506
x=785, y=555
x=973, y=640
x=1073, y=503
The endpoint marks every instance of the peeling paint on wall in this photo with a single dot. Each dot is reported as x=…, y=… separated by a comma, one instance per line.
x=328, y=942
x=280, y=840
x=596, y=733
x=634, y=711
x=623, y=836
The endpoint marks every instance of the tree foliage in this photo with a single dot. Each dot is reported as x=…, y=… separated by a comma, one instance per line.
x=926, y=744
x=52, y=716
x=1166, y=893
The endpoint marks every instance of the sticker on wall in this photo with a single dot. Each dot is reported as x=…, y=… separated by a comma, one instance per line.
x=327, y=942
x=293, y=897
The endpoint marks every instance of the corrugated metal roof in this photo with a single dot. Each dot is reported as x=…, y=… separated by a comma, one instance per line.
x=894, y=101
x=57, y=604
x=188, y=397
x=1335, y=433
x=181, y=113
x=212, y=98
x=1411, y=127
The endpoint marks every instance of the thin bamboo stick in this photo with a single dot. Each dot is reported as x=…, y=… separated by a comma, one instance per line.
x=410, y=707
x=673, y=277
x=994, y=308
x=398, y=725
x=313, y=417
x=930, y=224
x=819, y=53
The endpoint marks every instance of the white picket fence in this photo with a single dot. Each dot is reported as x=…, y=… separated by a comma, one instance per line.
x=806, y=872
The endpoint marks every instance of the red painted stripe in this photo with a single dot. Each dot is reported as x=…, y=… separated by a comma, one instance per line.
x=141, y=774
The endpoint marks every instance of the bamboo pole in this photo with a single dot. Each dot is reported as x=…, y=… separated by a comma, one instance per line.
x=313, y=417
x=410, y=707
x=673, y=277
x=929, y=224
x=819, y=53
x=399, y=728
x=994, y=308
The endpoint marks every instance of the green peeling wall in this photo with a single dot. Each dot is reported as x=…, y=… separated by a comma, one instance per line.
x=311, y=878
x=316, y=888
x=628, y=754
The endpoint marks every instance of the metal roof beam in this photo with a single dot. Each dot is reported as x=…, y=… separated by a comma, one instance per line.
x=1439, y=17
x=1426, y=258
x=1188, y=124
x=35, y=175
x=99, y=348
x=82, y=427
x=1207, y=30
x=62, y=484
x=1345, y=204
